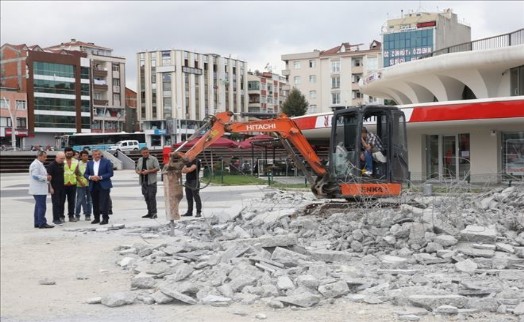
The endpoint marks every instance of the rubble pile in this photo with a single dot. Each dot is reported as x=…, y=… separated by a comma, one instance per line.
x=442, y=254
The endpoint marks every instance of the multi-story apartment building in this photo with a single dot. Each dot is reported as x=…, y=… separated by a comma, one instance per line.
x=176, y=89
x=416, y=34
x=266, y=92
x=56, y=83
x=330, y=77
x=107, y=73
x=131, y=122
x=13, y=110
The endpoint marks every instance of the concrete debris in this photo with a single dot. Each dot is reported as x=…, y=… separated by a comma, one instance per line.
x=118, y=299
x=450, y=255
x=46, y=281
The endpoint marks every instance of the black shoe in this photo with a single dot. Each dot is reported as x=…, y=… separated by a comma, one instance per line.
x=147, y=216
x=153, y=216
x=46, y=226
x=187, y=215
x=104, y=222
x=73, y=219
x=96, y=221
x=58, y=222
x=88, y=218
x=199, y=214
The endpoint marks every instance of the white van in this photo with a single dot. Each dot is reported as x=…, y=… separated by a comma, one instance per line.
x=126, y=145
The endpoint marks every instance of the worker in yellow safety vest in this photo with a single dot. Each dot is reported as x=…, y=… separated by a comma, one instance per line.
x=71, y=175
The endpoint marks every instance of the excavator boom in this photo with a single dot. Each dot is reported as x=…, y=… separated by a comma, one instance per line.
x=285, y=128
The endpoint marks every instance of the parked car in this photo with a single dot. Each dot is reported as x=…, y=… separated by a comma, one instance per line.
x=126, y=145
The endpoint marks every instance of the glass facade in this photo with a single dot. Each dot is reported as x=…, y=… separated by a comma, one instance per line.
x=52, y=69
x=57, y=87
x=406, y=46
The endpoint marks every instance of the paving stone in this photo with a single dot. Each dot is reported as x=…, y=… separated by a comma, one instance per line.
x=474, y=233
x=431, y=302
x=118, y=299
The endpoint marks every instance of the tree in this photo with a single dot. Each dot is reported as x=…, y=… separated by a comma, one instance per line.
x=295, y=104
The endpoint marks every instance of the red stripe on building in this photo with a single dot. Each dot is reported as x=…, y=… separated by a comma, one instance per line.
x=464, y=111
x=306, y=123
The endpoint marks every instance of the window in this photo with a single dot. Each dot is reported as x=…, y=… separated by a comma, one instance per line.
x=21, y=122
x=296, y=80
x=335, y=66
x=312, y=94
x=116, y=99
x=4, y=103
x=356, y=78
x=357, y=95
x=517, y=81
x=296, y=64
x=357, y=62
x=21, y=105
x=312, y=64
x=335, y=82
x=312, y=79
x=312, y=109
x=335, y=98
x=166, y=58
x=116, y=82
x=116, y=67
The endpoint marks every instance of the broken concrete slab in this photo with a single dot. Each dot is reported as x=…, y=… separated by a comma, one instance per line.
x=263, y=241
x=302, y=300
x=431, y=302
x=287, y=257
x=333, y=290
x=474, y=233
x=118, y=299
x=466, y=266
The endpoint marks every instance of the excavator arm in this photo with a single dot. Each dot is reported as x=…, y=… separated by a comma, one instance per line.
x=285, y=128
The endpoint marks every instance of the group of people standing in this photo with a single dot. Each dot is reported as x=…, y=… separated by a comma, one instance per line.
x=147, y=168
x=85, y=185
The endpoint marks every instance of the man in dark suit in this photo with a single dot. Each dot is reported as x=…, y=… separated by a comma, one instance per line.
x=99, y=172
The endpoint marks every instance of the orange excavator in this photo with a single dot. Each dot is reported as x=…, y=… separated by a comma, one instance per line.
x=343, y=176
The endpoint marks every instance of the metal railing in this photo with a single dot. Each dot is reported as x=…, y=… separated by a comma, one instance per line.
x=505, y=40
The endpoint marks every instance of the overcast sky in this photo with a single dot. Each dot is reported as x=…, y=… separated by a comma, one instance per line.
x=257, y=32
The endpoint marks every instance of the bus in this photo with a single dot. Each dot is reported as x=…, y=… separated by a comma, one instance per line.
x=99, y=141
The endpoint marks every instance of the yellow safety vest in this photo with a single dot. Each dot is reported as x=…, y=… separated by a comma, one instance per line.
x=82, y=169
x=69, y=172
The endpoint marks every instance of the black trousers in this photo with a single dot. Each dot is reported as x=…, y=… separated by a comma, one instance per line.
x=70, y=194
x=192, y=188
x=58, y=200
x=149, y=193
x=100, y=198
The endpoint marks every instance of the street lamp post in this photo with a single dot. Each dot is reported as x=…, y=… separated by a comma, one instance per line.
x=13, y=122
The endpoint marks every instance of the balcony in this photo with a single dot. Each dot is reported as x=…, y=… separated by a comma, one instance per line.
x=357, y=69
x=101, y=88
x=100, y=102
x=286, y=72
x=99, y=73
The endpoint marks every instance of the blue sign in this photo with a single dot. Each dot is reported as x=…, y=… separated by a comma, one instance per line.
x=160, y=132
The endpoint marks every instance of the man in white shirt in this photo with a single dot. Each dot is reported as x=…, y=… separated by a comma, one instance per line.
x=39, y=188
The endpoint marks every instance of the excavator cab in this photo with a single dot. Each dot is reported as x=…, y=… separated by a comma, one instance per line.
x=389, y=157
